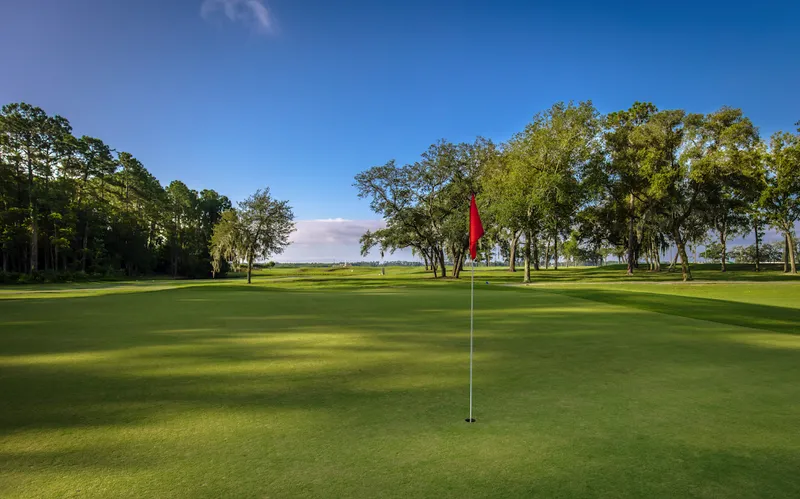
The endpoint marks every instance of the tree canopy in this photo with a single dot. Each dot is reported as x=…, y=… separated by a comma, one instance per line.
x=583, y=186
x=72, y=206
x=259, y=228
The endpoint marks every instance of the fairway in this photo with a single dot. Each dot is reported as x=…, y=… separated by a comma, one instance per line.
x=353, y=385
x=263, y=249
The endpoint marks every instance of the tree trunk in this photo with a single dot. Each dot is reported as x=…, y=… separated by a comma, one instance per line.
x=34, y=261
x=527, y=253
x=34, y=241
x=546, y=253
x=654, y=257
x=174, y=259
x=785, y=252
x=512, y=251
x=535, y=244
x=555, y=251
x=792, y=253
x=723, y=240
x=425, y=259
x=458, y=264
x=151, y=235
x=85, y=245
x=431, y=262
x=5, y=260
x=686, y=272
x=758, y=249
x=249, y=269
x=674, y=262
x=440, y=255
x=631, y=237
x=46, y=254
x=656, y=260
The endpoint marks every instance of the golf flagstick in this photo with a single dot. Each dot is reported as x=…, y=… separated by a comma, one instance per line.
x=475, y=233
x=471, y=329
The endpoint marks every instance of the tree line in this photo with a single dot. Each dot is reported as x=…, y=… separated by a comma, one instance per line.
x=74, y=206
x=581, y=185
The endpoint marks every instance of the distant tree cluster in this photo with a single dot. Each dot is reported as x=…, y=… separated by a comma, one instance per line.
x=72, y=206
x=387, y=263
x=576, y=186
x=764, y=253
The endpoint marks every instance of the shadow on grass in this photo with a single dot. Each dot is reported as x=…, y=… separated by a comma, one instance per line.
x=767, y=317
x=346, y=372
x=252, y=347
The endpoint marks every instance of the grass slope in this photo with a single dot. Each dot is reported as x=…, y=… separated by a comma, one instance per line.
x=347, y=384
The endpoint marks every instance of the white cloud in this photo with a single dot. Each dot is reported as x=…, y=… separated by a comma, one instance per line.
x=249, y=12
x=333, y=231
x=333, y=240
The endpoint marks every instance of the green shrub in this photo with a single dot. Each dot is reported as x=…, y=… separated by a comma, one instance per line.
x=9, y=277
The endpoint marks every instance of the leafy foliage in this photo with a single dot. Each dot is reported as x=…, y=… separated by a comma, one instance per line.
x=71, y=207
x=425, y=204
x=259, y=228
x=581, y=186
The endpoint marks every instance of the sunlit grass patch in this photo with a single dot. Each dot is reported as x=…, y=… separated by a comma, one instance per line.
x=333, y=385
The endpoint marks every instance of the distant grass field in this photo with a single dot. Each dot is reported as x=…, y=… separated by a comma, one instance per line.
x=344, y=383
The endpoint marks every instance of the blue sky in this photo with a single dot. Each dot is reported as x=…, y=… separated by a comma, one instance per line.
x=301, y=95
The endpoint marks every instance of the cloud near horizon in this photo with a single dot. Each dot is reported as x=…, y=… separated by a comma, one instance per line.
x=252, y=13
x=334, y=239
x=332, y=231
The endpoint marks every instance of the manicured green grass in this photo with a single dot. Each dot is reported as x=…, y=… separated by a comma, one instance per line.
x=332, y=383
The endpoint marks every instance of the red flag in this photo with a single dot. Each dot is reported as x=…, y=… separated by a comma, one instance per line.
x=475, y=228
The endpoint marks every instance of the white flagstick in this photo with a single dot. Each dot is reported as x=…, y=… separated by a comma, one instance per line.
x=471, y=313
